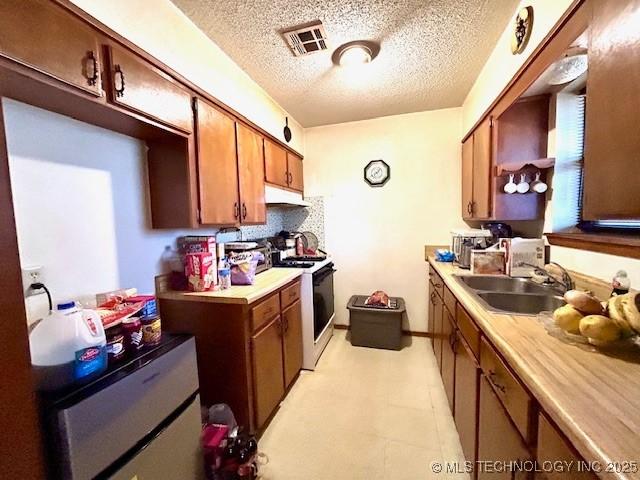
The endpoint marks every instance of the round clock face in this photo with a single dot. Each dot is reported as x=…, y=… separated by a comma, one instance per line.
x=377, y=173
x=522, y=30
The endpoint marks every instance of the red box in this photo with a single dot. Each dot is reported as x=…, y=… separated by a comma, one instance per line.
x=197, y=244
x=200, y=269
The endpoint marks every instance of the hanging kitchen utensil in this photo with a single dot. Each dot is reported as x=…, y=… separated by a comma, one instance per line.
x=538, y=185
x=523, y=186
x=511, y=187
x=287, y=130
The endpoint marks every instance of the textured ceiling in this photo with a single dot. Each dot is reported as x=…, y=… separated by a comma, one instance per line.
x=431, y=51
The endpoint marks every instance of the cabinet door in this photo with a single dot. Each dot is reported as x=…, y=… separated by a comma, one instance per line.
x=138, y=86
x=431, y=321
x=467, y=178
x=498, y=439
x=41, y=35
x=217, y=166
x=251, y=170
x=438, y=308
x=482, y=170
x=292, y=344
x=466, y=399
x=296, y=181
x=448, y=368
x=275, y=164
x=553, y=447
x=268, y=384
x=612, y=143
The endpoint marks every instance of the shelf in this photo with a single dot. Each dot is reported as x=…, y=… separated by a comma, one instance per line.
x=514, y=167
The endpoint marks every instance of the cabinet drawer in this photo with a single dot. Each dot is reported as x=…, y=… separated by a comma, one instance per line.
x=265, y=311
x=289, y=295
x=508, y=388
x=469, y=330
x=449, y=301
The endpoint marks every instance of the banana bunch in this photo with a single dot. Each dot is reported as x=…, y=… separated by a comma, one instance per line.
x=601, y=323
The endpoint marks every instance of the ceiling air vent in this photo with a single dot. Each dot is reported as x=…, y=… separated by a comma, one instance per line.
x=306, y=39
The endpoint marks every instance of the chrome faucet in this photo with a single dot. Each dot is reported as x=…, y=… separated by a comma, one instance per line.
x=566, y=283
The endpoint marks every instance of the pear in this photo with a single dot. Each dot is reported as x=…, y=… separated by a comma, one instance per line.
x=568, y=318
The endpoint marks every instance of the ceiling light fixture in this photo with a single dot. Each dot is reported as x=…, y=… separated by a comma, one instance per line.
x=355, y=53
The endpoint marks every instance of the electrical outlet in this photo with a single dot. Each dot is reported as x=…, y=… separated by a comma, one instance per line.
x=32, y=274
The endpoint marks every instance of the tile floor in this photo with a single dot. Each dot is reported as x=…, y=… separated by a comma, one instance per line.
x=364, y=414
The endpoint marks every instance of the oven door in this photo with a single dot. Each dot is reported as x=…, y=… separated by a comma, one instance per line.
x=322, y=299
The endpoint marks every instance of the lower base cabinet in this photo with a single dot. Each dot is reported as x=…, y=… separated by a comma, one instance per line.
x=448, y=362
x=248, y=354
x=498, y=439
x=465, y=415
x=268, y=381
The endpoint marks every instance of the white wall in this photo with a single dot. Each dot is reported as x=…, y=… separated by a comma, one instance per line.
x=502, y=65
x=377, y=235
x=494, y=76
x=80, y=198
x=162, y=30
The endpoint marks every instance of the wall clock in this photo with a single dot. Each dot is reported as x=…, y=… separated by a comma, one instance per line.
x=377, y=173
x=522, y=30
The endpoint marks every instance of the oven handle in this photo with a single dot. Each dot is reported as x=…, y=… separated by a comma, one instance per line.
x=323, y=274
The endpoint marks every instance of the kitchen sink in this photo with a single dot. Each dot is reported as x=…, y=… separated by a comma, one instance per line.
x=522, y=303
x=503, y=284
x=512, y=295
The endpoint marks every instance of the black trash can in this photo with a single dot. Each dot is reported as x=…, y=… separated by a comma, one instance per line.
x=374, y=326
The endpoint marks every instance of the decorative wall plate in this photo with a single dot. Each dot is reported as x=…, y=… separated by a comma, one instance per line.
x=522, y=30
x=377, y=173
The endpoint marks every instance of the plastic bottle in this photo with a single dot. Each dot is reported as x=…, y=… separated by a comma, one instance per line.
x=68, y=346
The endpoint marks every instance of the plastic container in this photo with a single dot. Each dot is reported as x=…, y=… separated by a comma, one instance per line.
x=376, y=327
x=67, y=347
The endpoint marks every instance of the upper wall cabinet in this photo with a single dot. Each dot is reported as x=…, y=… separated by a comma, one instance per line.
x=518, y=135
x=612, y=143
x=39, y=34
x=139, y=86
x=253, y=209
x=282, y=168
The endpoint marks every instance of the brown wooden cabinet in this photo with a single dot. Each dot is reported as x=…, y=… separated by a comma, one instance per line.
x=217, y=165
x=465, y=411
x=282, y=168
x=498, y=439
x=448, y=361
x=612, y=145
x=248, y=354
x=253, y=209
x=294, y=164
x=275, y=164
x=292, y=341
x=41, y=35
x=519, y=134
x=554, y=449
x=438, y=329
x=267, y=358
x=139, y=86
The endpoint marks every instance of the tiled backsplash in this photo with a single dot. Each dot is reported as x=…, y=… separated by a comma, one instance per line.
x=309, y=219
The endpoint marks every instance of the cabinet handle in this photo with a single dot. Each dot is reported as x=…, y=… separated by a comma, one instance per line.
x=120, y=73
x=470, y=208
x=453, y=341
x=290, y=178
x=244, y=210
x=92, y=80
x=437, y=285
x=236, y=210
x=286, y=177
x=493, y=378
x=433, y=298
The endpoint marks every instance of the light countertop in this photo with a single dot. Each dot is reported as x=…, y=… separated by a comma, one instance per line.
x=265, y=283
x=593, y=398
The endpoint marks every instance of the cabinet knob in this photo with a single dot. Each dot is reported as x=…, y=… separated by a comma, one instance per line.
x=244, y=210
x=93, y=78
x=236, y=210
x=118, y=73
